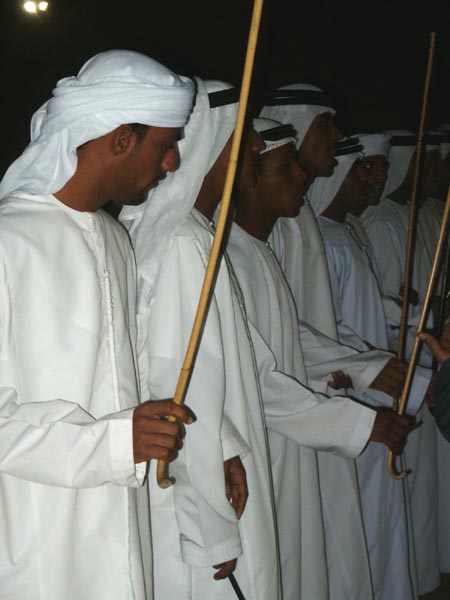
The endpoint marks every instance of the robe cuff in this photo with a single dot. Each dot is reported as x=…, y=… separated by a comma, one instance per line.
x=194, y=555
x=124, y=470
x=233, y=444
x=362, y=432
x=375, y=364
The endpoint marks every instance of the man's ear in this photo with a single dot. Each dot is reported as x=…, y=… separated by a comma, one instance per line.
x=122, y=140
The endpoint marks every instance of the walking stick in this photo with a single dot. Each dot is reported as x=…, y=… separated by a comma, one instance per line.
x=409, y=375
x=413, y=211
x=236, y=587
x=163, y=480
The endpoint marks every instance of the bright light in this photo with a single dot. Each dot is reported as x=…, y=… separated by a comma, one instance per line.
x=30, y=7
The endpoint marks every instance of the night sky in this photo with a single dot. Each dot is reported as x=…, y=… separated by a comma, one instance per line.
x=369, y=56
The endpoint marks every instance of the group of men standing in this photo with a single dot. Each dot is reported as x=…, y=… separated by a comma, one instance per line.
x=279, y=453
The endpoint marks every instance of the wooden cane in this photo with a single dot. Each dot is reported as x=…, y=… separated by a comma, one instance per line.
x=412, y=209
x=409, y=375
x=163, y=480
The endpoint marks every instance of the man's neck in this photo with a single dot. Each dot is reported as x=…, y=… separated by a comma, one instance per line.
x=253, y=221
x=335, y=212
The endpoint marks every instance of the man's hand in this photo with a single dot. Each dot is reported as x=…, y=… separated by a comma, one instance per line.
x=155, y=437
x=391, y=429
x=340, y=380
x=391, y=378
x=445, y=338
x=236, y=488
x=413, y=297
x=225, y=569
x=439, y=353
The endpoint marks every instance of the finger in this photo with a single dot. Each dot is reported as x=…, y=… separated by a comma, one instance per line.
x=438, y=352
x=166, y=408
x=225, y=569
x=239, y=499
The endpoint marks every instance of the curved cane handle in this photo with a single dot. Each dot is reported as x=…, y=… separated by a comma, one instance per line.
x=392, y=468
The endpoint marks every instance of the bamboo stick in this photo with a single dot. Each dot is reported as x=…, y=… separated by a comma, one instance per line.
x=163, y=480
x=412, y=363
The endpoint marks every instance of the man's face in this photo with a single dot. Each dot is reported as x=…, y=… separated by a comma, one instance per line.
x=354, y=190
x=316, y=153
x=147, y=162
x=375, y=173
x=281, y=182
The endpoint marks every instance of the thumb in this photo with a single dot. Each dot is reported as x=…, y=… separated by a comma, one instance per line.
x=438, y=351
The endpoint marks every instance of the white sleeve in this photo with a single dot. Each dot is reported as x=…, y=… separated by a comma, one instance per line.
x=57, y=442
x=208, y=527
x=338, y=424
x=323, y=355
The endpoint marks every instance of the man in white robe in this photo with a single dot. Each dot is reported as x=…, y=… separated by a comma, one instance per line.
x=387, y=228
x=299, y=421
x=196, y=527
x=73, y=445
x=359, y=304
x=298, y=246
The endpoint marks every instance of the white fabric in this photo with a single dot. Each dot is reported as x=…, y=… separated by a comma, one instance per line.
x=152, y=224
x=311, y=540
x=374, y=144
x=299, y=115
x=193, y=525
x=399, y=161
x=112, y=88
x=358, y=301
x=324, y=189
x=67, y=330
x=260, y=125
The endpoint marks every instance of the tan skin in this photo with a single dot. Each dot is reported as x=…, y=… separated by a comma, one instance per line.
x=119, y=167
x=207, y=201
x=376, y=168
x=276, y=194
x=316, y=152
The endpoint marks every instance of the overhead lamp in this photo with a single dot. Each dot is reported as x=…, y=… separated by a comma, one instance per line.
x=35, y=7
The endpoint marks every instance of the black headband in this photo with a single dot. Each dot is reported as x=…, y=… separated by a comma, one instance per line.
x=278, y=133
x=282, y=97
x=348, y=146
x=224, y=97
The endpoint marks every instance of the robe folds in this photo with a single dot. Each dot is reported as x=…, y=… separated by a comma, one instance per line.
x=193, y=525
x=387, y=227
x=68, y=516
x=358, y=300
x=299, y=423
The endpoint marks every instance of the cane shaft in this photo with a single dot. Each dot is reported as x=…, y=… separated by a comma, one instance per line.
x=214, y=261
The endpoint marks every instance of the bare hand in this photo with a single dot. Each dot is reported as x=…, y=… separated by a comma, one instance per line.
x=391, y=429
x=439, y=353
x=236, y=488
x=340, y=380
x=445, y=338
x=391, y=378
x=225, y=569
x=155, y=437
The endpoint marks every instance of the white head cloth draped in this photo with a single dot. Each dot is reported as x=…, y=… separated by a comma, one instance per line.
x=152, y=224
x=403, y=146
x=300, y=115
x=374, y=144
x=113, y=88
x=324, y=189
x=274, y=134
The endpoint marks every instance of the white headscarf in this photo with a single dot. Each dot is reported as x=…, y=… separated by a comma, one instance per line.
x=323, y=190
x=274, y=134
x=113, y=88
x=445, y=146
x=374, y=144
x=399, y=159
x=300, y=115
x=153, y=224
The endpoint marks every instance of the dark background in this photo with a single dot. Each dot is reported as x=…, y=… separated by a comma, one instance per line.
x=371, y=57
